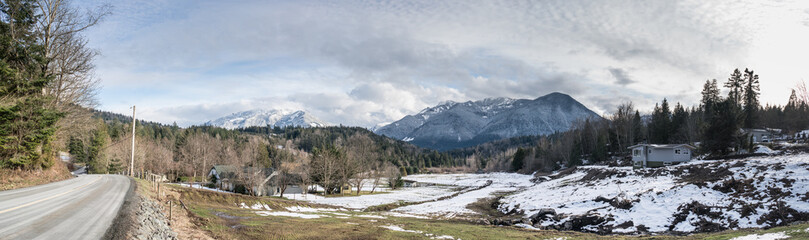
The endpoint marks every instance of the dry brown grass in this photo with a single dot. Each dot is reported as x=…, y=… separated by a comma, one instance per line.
x=213, y=215
x=14, y=179
x=182, y=221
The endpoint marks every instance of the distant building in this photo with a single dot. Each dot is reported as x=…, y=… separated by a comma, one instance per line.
x=229, y=177
x=802, y=134
x=760, y=135
x=65, y=156
x=658, y=155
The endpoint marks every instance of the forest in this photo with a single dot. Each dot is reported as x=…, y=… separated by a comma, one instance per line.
x=714, y=126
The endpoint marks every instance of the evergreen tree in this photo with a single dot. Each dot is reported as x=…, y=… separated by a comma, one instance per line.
x=574, y=158
x=637, y=126
x=720, y=135
x=710, y=93
x=95, y=154
x=517, y=162
x=678, y=124
x=27, y=124
x=751, y=104
x=660, y=126
x=77, y=150
x=793, y=100
x=792, y=113
x=735, y=85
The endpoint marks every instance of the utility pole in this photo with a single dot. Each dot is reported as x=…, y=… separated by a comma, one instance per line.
x=132, y=161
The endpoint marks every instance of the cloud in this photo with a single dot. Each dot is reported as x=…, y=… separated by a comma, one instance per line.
x=366, y=62
x=621, y=76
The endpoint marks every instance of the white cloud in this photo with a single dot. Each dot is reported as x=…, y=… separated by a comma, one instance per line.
x=362, y=63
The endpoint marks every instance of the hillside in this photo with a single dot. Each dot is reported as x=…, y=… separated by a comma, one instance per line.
x=410, y=157
x=699, y=196
x=455, y=125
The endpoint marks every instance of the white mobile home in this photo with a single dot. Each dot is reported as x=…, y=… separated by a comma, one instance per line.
x=658, y=155
x=758, y=135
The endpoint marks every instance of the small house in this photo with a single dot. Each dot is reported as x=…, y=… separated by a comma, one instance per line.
x=658, y=155
x=758, y=135
x=265, y=180
x=224, y=176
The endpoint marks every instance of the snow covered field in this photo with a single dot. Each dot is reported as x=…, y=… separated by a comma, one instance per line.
x=443, y=186
x=693, y=197
x=500, y=182
x=364, y=201
x=699, y=196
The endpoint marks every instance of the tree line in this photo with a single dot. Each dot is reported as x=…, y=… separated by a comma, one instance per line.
x=46, y=70
x=331, y=157
x=714, y=123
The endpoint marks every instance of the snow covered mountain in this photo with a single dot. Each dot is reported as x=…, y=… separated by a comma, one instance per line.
x=258, y=117
x=453, y=125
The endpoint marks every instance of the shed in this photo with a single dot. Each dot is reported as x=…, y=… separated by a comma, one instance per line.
x=658, y=155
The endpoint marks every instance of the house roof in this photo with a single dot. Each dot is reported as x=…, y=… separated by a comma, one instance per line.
x=229, y=171
x=663, y=146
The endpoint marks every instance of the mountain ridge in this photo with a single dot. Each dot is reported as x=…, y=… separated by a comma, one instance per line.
x=452, y=125
x=263, y=117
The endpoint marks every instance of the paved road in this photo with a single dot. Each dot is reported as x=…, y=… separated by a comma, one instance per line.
x=80, y=208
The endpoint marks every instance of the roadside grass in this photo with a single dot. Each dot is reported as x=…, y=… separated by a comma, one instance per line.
x=221, y=215
x=14, y=179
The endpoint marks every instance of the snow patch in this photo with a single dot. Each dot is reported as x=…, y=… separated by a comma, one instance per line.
x=400, y=229
x=397, y=214
x=288, y=214
x=312, y=210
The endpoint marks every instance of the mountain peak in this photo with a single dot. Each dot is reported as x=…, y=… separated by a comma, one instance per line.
x=556, y=95
x=267, y=117
x=448, y=126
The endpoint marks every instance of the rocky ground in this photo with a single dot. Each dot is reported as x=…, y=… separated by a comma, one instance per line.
x=140, y=218
x=152, y=223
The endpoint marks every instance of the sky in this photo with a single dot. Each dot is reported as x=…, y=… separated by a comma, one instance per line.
x=365, y=63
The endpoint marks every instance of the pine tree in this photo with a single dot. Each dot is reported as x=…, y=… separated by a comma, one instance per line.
x=77, y=150
x=678, y=124
x=720, y=135
x=735, y=85
x=751, y=104
x=710, y=93
x=517, y=162
x=792, y=113
x=637, y=126
x=660, y=127
x=27, y=124
x=95, y=154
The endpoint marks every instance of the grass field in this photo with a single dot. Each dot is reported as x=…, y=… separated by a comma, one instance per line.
x=230, y=216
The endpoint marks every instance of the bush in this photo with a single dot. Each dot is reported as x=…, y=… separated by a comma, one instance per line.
x=240, y=189
x=396, y=183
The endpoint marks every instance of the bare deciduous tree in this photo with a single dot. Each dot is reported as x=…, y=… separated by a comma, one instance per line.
x=69, y=61
x=360, y=158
